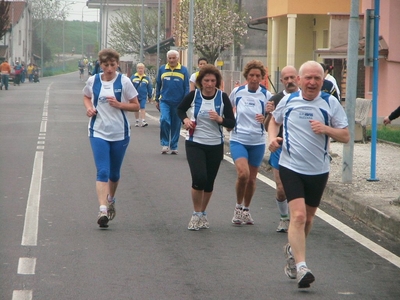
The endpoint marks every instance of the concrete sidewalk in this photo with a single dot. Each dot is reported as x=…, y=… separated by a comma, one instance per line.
x=375, y=203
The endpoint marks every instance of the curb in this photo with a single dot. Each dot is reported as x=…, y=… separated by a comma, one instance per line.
x=388, y=225
x=373, y=217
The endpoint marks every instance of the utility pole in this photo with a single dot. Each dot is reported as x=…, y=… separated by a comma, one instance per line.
x=190, y=38
x=351, y=88
x=141, y=33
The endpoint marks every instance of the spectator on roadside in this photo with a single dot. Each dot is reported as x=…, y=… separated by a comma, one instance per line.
x=394, y=115
x=172, y=86
x=289, y=79
x=247, y=139
x=309, y=117
x=204, y=112
x=107, y=98
x=5, y=70
x=29, y=72
x=328, y=76
x=202, y=61
x=143, y=85
x=17, y=73
x=81, y=68
x=23, y=73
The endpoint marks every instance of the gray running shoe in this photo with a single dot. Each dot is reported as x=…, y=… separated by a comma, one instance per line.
x=203, y=223
x=290, y=268
x=102, y=220
x=137, y=124
x=304, y=278
x=237, y=216
x=283, y=225
x=144, y=124
x=111, y=210
x=194, y=223
x=246, y=218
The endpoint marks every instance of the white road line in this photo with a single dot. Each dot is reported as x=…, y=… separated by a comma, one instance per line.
x=22, y=295
x=26, y=265
x=367, y=243
x=29, y=235
x=382, y=252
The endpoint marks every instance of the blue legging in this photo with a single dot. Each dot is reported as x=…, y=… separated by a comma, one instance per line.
x=108, y=157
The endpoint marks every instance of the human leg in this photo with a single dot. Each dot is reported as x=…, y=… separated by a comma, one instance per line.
x=281, y=203
x=100, y=149
x=176, y=125
x=197, y=164
x=165, y=124
x=117, y=154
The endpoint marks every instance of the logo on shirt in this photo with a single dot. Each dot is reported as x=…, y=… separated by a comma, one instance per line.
x=117, y=90
x=102, y=99
x=306, y=115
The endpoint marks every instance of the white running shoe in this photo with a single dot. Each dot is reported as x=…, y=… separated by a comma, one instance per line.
x=102, y=220
x=304, y=278
x=237, y=216
x=111, y=210
x=194, y=222
x=203, y=223
x=246, y=218
x=164, y=149
x=283, y=225
x=290, y=268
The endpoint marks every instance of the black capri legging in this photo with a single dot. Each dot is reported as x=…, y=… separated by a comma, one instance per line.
x=204, y=161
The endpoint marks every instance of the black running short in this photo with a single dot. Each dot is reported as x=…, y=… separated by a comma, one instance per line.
x=309, y=187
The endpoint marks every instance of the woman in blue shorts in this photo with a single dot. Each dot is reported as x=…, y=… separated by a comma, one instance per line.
x=107, y=97
x=247, y=139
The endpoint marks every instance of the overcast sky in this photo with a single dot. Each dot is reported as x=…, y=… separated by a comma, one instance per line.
x=77, y=7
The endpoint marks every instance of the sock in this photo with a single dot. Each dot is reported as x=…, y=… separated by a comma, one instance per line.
x=110, y=199
x=103, y=208
x=240, y=206
x=199, y=214
x=301, y=264
x=245, y=208
x=283, y=208
x=204, y=213
x=143, y=120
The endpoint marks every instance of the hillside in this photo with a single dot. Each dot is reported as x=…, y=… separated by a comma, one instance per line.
x=75, y=32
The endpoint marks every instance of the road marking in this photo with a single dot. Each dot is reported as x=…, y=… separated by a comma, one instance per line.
x=29, y=235
x=26, y=265
x=382, y=252
x=22, y=295
x=367, y=243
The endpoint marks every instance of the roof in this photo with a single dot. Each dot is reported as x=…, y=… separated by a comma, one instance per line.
x=16, y=10
x=258, y=21
x=341, y=51
x=164, y=46
x=99, y=3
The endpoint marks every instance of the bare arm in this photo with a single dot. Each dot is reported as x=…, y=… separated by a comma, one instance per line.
x=274, y=142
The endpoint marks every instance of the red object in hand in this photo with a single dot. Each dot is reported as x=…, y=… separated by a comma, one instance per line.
x=191, y=130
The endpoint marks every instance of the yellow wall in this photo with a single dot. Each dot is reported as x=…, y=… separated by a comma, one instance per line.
x=283, y=7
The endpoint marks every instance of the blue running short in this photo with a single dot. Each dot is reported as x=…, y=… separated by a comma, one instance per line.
x=253, y=153
x=274, y=158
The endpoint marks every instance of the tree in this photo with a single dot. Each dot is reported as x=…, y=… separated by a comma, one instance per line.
x=126, y=29
x=45, y=14
x=4, y=17
x=217, y=24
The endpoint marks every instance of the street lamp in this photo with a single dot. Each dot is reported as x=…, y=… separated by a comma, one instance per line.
x=82, y=31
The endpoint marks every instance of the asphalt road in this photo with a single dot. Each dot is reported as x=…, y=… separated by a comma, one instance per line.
x=52, y=248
